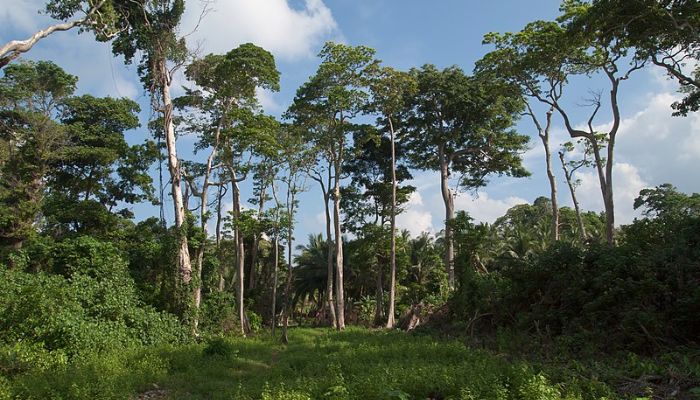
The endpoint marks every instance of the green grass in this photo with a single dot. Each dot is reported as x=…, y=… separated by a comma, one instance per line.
x=317, y=364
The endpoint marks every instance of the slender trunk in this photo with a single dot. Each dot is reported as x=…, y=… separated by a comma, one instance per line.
x=275, y=273
x=392, y=278
x=330, y=273
x=184, y=265
x=290, y=233
x=569, y=175
x=220, y=197
x=602, y=168
x=608, y=195
x=240, y=255
x=544, y=135
x=339, y=293
x=378, y=311
x=449, y=216
x=275, y=282
x=287, y=292
x=256, y=240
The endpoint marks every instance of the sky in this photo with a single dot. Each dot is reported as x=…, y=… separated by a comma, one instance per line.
x=653, y=147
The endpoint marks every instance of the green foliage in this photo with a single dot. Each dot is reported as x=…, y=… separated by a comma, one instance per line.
x=317, y=364
x=662, y=32
x=635, y=296
x=464, y=122
x=219, y=347
x=218, y=312
x=92, y=308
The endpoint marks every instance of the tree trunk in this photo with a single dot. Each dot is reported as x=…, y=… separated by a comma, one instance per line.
x=275, y=271
x=544, y=135
x=568, y=175
x=288, y=285
x=256, y=240
x=449, y=216
x=339, y=293
x=379, y=309
x=275, y=282
x=602, y=168
x=240, y=255
x=184, y=265
x=390, y=322
x=220, y=197
x=329, y=280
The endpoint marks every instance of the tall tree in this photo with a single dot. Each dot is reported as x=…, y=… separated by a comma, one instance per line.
x=372, y=200
x=457, y=123
x=294, y=159
x=525, y=58
x=97, y=170
x=326, y=106
x=226, y=84
x=152, y=33
x=582, y=52
x=322, y=172
x=251, y=134
x=30, y=98
x=389, y=93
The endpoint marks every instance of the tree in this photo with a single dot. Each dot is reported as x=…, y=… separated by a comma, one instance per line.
x=598, y=55
x=250, y=134
x=459, y=123
x=586, y=53
x=322, y=172
x=31, y=95
x=152, y=32
x=103, y=17
x=525, y=59
x=389, y=93
x=294, y=157
x=665, y=201
x=96, y=169
x=372, y=200
x=325, y=106
x=665, y=32
x=570, y=167
x=227, y=84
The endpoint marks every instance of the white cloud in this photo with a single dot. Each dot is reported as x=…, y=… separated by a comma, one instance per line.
x=287, y=32
x=416, y=218
x=663, y=148
x=267, y=101
x=23, y=15
x=483, y=208
x=627, y=183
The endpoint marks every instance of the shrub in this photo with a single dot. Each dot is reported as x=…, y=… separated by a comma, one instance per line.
x=91, y=307
x=639, y=295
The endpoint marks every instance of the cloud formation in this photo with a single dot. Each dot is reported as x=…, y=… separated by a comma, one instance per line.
x=287, y=32
x=627, y=182
x=416, y=218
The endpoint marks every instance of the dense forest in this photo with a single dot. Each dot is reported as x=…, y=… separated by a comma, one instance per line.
x=546, y=302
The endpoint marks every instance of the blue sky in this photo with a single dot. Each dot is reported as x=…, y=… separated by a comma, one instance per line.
x=653, y=147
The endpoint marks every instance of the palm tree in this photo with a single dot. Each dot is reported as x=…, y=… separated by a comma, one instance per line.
x=311, y=273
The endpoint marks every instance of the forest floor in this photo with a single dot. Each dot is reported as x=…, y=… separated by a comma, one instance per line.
x=324, y=364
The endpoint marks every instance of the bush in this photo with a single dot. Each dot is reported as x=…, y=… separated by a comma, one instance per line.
x=218, y=313
x=91, y=307
x=218, y=346
x=640, y=295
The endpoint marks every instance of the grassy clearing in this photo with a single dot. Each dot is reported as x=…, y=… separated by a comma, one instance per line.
x=317, y=364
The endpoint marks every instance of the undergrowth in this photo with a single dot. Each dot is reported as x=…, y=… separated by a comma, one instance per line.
x=319, y=364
